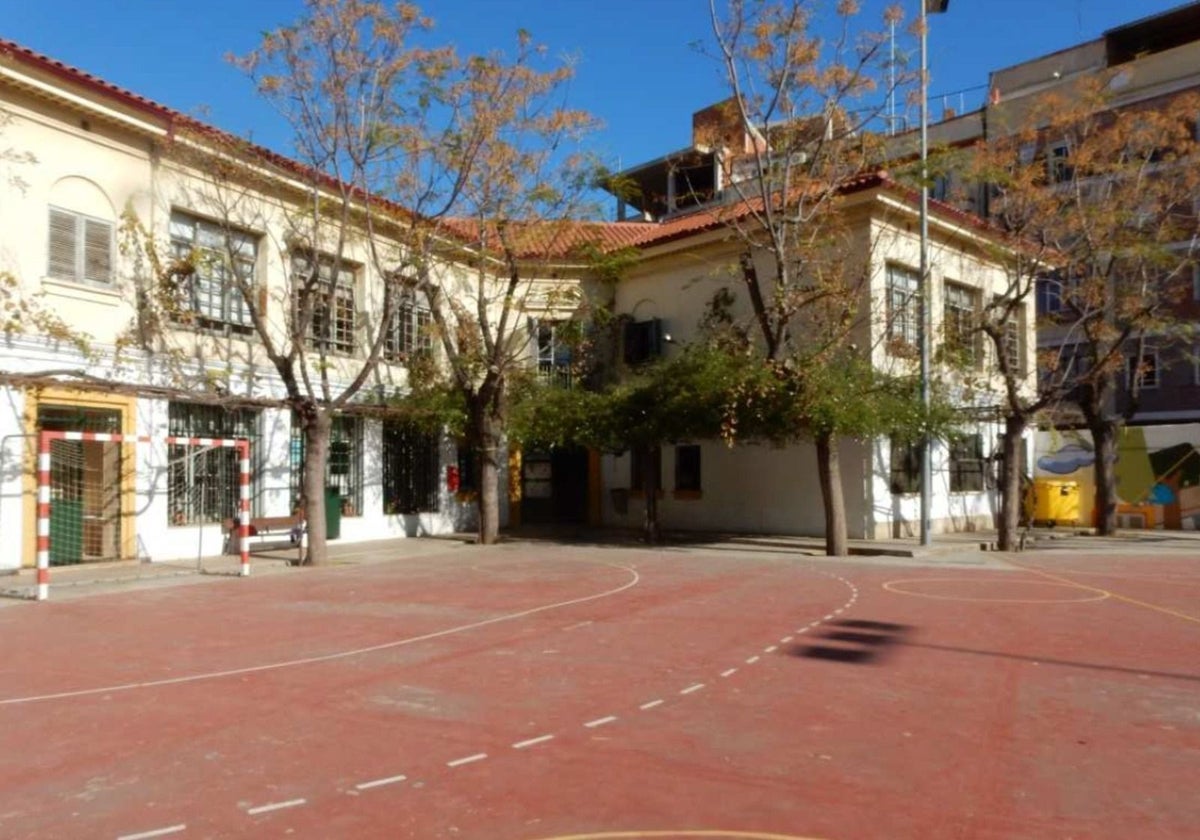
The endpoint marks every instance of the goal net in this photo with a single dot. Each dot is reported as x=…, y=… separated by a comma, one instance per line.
x=90, y=510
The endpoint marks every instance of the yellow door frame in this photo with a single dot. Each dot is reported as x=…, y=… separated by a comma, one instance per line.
x=126, y=405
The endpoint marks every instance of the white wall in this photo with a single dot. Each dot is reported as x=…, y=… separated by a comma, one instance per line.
x=12, y=471
x=747, y=488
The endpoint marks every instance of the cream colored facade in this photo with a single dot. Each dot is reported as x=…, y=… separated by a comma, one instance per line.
x=770, y=489
x=101, y=153
x=90, y=154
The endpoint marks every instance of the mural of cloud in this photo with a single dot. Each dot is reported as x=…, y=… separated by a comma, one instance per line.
x=1066, y=460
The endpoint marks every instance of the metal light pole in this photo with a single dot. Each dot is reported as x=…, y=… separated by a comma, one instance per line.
x=927, y=7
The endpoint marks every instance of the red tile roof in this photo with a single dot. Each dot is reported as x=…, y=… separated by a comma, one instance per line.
x=561, y=240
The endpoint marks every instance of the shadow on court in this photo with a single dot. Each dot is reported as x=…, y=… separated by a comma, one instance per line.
x=855, y=642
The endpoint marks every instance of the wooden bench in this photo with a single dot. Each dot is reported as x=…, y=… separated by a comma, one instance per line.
x=263, y=526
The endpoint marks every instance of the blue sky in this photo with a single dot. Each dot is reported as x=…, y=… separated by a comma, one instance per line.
x=637, y=68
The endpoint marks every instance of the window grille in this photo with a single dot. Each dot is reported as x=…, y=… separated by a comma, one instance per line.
x=966, y=463
x=331, y=327
x=905, y=467
x=223, y=261
x=343, y=463
x=203, y=486
x=410, y=469
x=553, y=353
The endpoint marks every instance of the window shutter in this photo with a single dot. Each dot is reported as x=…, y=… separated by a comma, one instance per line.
x=62, y=245
x=97, y=251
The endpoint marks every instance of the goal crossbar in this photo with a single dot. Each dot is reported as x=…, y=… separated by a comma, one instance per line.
x=45, y=438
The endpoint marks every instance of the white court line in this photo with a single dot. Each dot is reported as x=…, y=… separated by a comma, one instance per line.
x=592, y=724
x=520, y=745
x=577, y=626
x=692, y=688
x=785, y=640
x=751, y=660
x=650, y=705
x=158, y=832
x=330, y=657
x=275, y=806
x=828, y=617
x=390, y=780
x=770, y=649
x=802, y=630
x=459, y=762
x=728, y=673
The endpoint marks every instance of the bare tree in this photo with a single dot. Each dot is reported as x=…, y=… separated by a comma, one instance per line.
x=801, y=108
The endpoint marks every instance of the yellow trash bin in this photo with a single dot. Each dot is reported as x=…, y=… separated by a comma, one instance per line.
x=1053, y=502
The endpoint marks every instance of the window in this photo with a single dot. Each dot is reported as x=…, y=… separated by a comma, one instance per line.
x=687, y=468
x=1011, y=344
x=468, y=474
x=331, y=328
x=80, y=248
x=409, y=333
x=343, y=464
x=410, y=469
x=903, y=304
x=1142, y=374
x=637, y=460
x=642, y=341
x=1049, y=295
x=223, y=271
x=960, y=335
x=905, y=467
x=966, y=463
x=553, y=352
x=1058, y=167
x=203, y=483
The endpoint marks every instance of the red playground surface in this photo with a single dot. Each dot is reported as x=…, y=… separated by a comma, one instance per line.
x=545, y=692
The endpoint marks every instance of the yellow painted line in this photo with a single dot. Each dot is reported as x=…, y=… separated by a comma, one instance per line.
x=892, y=586
x=679, y=835
x=1110, y=594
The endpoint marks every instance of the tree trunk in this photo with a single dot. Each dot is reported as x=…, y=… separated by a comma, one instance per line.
x=651, y=460
x=316, y=424
x=1104, y=439
x=830, y=472
x=1011, y=471
x=488, y=451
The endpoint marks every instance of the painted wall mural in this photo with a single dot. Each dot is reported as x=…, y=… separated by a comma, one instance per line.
x=1158, y=473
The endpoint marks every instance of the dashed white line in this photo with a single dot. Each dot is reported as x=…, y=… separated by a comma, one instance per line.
x=541, y=739
x=770, y=649
x=458, y=762
x=692, y=688
x=157, y=832
x=592, y=724
x=751, y=660
x=390, y=780
x=828, y=617
x=577, y=625
x=785, y=640
x=275, y=806
x=802, y=630
x=728, y=673
x=650, y=705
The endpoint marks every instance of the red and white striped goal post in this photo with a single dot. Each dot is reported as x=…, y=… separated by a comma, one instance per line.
x=43, y=492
